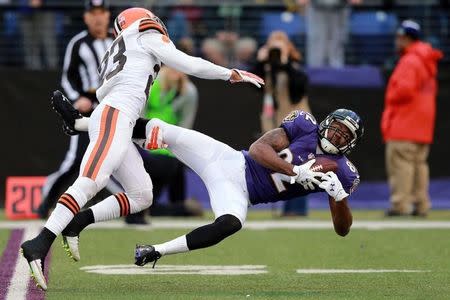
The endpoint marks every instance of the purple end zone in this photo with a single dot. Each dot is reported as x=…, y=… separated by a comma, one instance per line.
x=34, y=293
x=9, y=260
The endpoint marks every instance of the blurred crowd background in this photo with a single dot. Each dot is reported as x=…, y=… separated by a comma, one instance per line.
x=315, y=55
x=227, y=32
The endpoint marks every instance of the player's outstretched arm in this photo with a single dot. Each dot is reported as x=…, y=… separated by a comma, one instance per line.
x=160, y=46
x=340, y=211
x=341, y=215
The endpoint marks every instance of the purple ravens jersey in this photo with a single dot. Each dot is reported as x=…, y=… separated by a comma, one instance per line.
x=265, y=185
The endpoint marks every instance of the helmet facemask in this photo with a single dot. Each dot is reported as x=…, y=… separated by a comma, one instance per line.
x=334, y=140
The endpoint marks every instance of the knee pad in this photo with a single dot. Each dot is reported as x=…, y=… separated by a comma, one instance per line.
x=140, y=200
x=83, y=190
x=227, y=225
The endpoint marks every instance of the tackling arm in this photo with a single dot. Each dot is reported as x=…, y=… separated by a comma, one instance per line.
x=265, y=151
x=341, y=215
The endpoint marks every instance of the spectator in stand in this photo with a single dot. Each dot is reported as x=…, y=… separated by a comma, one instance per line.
x=245, y=50
x=327, y=31
x=407, y=123
x=186, y=45
x=285, y=90
x=178, y=26
x=39, y=33
x=228, y=39
x=213, y=50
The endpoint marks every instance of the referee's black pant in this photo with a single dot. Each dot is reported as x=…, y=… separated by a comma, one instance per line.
x=69, y=169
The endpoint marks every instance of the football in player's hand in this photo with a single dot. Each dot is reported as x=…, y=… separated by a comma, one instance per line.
x=323, y=164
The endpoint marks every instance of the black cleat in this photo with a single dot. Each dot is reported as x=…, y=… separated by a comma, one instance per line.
x=35, y=258
x=145, y=254
x=63, y=107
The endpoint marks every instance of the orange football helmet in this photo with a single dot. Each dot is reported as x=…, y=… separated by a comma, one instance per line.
x=131, y=15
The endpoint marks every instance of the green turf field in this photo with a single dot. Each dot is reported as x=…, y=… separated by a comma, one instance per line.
x=282, y=251
x=4, y=235
x=278, y=252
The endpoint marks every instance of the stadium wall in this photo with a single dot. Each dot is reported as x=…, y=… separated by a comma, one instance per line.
x=33, y=143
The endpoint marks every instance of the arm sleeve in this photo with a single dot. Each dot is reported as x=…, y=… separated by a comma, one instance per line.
x=70, y=80
x=168, y=54
x=405, y=81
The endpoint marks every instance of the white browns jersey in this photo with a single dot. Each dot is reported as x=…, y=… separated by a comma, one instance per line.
x=133, y=60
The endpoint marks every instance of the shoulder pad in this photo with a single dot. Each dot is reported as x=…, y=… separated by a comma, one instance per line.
x=148, y=24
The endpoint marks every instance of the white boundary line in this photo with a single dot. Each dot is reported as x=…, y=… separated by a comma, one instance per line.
x=253, y=225
x=18, y=286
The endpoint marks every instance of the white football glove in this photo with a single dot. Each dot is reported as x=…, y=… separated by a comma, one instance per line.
x=248, y=77
x=305, y=176
x=332, y=185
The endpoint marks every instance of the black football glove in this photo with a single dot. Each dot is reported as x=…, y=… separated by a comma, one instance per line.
x=64, y=108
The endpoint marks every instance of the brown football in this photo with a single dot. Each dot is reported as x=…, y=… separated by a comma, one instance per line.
x=323, y=164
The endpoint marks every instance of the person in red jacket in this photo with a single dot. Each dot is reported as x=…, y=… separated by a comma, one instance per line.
x=408, y=119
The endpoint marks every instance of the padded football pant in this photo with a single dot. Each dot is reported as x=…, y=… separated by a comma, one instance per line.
x=110, y=152
x=221, y=168
x=408, y=176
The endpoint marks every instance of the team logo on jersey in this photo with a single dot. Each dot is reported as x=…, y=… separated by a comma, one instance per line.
x=291, y=116
x=355, y=184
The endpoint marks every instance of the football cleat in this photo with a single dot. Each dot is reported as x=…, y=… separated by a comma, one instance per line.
x=145, y=254
x=35, y=260
x=70, y=245
x=63, y=107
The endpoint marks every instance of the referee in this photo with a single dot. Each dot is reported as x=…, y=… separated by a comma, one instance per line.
x=80, y=80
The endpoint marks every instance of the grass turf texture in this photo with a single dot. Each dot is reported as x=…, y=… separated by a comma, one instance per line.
x=283, y=251
x=4, y=236
x=253, y=214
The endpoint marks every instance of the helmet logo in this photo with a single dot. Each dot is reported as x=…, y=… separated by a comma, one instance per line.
x=121, y=20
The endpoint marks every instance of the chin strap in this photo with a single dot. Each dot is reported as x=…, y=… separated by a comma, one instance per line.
x=328, y=147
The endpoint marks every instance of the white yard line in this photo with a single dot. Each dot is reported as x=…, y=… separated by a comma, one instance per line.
x=345, y=271
x=254, y=225
x=18, y=286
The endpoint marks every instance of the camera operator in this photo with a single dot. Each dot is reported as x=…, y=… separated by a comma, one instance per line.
x=286, y=83
x=285, y=90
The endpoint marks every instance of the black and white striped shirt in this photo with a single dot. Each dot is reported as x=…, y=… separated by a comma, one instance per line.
x=81, y=61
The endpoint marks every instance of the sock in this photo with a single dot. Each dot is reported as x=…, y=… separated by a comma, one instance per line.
x=59, y=219
x=45, y=238
x=178, y=245
x=81, y=221
x=113, y=207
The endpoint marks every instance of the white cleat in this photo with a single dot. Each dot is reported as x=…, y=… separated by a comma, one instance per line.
x=37, y=274
x=70, y=244
x=36, y=264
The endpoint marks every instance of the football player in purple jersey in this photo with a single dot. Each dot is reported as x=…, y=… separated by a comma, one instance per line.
x=277, y=167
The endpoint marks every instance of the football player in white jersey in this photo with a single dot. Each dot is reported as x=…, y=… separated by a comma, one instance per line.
x=127, y=71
